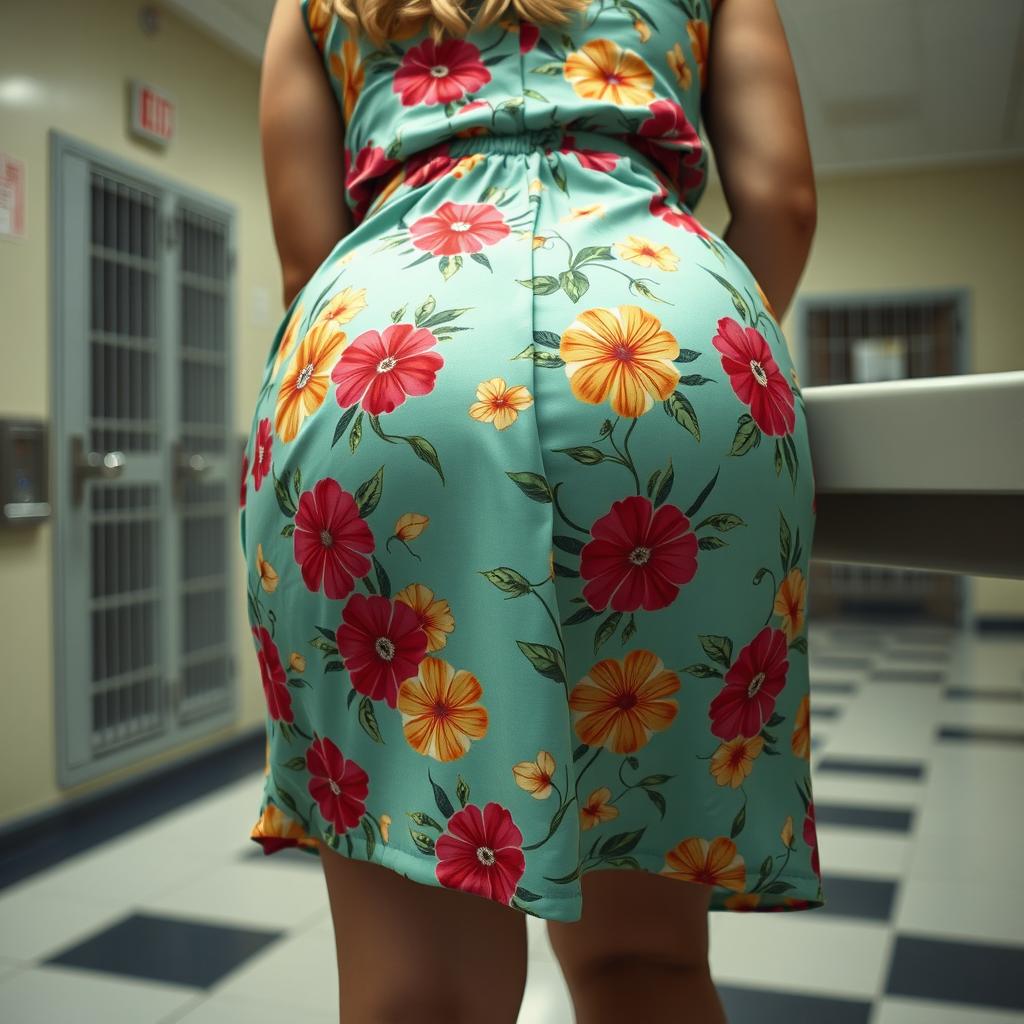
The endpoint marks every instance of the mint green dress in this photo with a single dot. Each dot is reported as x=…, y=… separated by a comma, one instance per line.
x=527, y=501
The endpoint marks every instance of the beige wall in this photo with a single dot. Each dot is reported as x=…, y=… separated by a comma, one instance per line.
x=939, y=228
x=78, y=86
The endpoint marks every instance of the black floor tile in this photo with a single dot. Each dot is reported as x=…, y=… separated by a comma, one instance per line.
x=870, y=898
x=764, y=1006
x=840, y=661
x=908, y=675
x=884, y=818
x=836, y=688
x=957, y=971
x=167, y=949
x=1014, y=696
x=889, y=769
x=975, y=734
x=930, y=654
x=829, y=711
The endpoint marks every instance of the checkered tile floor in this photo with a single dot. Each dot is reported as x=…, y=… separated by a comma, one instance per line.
x=917, y=761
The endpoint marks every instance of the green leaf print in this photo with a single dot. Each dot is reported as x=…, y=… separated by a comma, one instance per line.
x=525, y=895
x=424, y=820
x=543, y=360
x=423, y=310
x=574, y=284
x=479, y=257
x=444, y=317
x=583, y=615
x=748, y=436
x=687, y=355
x=717, y=648
x=462, y=790
x=571, y=544
x=678, y=406
x=606, y=629
x=737, y=299
x=721, y=521
x=548, y=339
x=426, y=452
x=710, y=543
x=371, y=842
x=660, y=485
x=738, y=822
x=346, y=419
x=591, y=253
x=551, y=68
x=508, y=580
x=449, y=265
x=357, y=433
x=546, y=660
x=623, y=842
x=785, y=541
x=368, y=720
x=397, y=314
x=383, y=580
x=284, y=499
x=287, y=530
x=368, y=493
x=534, y=95
x=423, y=842
x=628, y=630
x=533, y=485
x=564, y=570
x=657, y=799
x=334, y=666
x=444, y=805
x=586, y=454
x=543, y=284
x=799, y=644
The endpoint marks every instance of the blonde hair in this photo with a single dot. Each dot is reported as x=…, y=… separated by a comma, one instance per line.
x=381, y=20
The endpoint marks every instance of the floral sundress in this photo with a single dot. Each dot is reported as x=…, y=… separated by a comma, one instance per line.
x=527, y=504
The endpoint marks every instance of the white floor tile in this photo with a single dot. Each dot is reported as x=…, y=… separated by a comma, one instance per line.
x=222, y=1009
x=824, y=956
x=40, y=925
x=45, y=995
x=898, y=1010
x=866, y=791
x=866, y=853
x=963, y=909
x=267, y=895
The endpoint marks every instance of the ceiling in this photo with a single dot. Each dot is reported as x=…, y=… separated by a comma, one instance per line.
x=884, y=83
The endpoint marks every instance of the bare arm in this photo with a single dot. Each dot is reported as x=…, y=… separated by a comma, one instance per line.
x=303, y=149
x=755, y=122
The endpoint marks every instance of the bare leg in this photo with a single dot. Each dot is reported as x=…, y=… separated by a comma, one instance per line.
x=413, y=952
x=639, y=952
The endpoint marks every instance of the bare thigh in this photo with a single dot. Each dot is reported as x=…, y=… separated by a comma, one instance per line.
x=633, y=916
x=408, y=951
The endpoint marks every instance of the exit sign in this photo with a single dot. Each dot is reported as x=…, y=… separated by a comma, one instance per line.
x=152, y=113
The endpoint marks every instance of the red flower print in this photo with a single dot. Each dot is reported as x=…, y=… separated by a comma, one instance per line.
x=639, y=557
x=428, y=165
x=668, y=120
x=245, y=476
x=755, y=376
x=591, y=159
x=671, y=214
x=811, y=839
x=459, y=227
x=382, y=642
x=529, y=33
x=275, y=682
x=330, y=538
x=381, y=369
x=261, y=454
x=369, y=165
x=481, y=853
x=433, y=73
x=752, y=684
x=337, y=783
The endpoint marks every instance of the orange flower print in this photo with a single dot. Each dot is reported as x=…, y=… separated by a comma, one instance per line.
x=441, y=710
x=306, y=379
x=800, y=741
x=647, y=254
x=584, y=212
x=733, y=761
x=602, y=70
x=698, y=33
x=318, y=15
x=786, y=835
x=621, y=703
x=296, y=662
x=622, y=355
x=790, y=602
x=435, y=615
x=742, y=901
x=707, y=863
x=343, y=307
x=764, y=299
x=385, y=825
x=597, y=809
x=535, y=776
x=276, y=831
x=348, y=70
x=410, y=525
x=267, y=573
x=642, y=29
x=679, y=66
x=284, y=350
x=499, y=403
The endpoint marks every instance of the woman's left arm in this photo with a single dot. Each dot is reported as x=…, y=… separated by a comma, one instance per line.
x=303, y=142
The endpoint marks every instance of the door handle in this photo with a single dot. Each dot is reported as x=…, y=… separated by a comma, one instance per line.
x=90, y=465
x=188, y=466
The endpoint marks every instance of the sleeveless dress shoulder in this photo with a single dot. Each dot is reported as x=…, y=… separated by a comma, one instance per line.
x=527, y=503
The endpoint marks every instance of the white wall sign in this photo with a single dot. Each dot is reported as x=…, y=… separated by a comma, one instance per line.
x=152, y=113
x=12, y=197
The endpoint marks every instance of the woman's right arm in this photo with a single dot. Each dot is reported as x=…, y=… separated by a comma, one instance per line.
x=755, y=123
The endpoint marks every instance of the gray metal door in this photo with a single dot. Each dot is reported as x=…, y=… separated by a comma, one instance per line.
x=144, y=513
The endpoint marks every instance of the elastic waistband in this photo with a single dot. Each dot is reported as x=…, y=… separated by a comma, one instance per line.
x=517, y=143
